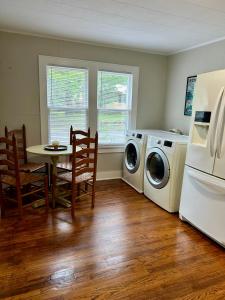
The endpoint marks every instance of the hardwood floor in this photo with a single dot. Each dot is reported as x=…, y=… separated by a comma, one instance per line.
x=126, y=248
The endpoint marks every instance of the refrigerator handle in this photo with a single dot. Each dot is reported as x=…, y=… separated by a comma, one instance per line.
x=215, y=121
x=212, y=186
x=220, y=131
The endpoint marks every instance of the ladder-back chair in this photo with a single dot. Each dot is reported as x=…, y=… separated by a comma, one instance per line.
x=84, y=167
x=23, y=183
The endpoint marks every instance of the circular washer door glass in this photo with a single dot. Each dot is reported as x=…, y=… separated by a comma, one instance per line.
x=132, y=156
x=157, y=168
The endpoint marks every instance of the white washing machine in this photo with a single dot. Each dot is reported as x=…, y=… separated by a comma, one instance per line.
x=133, y=162
x=163, y=170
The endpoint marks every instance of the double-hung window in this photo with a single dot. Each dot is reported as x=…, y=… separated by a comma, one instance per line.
x=86, y=94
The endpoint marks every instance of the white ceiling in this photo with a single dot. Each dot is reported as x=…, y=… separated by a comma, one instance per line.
x=161, y=26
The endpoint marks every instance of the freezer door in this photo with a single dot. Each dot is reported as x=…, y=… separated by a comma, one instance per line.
x=203, y=203
x=208, y=97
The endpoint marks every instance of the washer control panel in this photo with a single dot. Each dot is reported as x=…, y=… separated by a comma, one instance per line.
x=168, y=143
x=135, y=135
x=138, y=135
x=160, y=143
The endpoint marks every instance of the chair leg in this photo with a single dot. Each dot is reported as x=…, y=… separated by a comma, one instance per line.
x=73, y=200
x=50, y=175
x=93, y=196
x=53, y=190
x=86, y=187
x=2, y=201
x=46, y=193
x=47, y=173
x=19, y=201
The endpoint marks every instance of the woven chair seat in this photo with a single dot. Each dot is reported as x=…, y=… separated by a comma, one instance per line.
x=65, y=165
x=81, y=178
x=31, y=166
x=25, y=178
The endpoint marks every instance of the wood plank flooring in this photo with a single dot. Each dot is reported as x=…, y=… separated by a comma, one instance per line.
x=126, y=248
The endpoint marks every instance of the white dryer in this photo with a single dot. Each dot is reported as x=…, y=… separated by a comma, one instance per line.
x=163, y=170
x=133, y=162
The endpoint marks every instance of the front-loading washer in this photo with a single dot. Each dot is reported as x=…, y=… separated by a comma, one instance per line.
x=134, y=155
x=163, y=169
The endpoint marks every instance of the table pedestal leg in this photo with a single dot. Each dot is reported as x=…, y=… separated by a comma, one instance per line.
x=59, y=200
x=54, y=164
x=54, y=160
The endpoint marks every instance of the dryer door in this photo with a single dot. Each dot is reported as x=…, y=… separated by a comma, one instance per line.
x=157, y=168
x=132, y=156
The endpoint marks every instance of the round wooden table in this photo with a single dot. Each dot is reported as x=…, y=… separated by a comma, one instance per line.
x=54, y=155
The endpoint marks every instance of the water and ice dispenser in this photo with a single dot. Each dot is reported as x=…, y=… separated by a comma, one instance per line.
x=201, y=127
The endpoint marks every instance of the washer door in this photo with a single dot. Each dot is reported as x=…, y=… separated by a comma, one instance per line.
x=157, y=168
x=132, y=156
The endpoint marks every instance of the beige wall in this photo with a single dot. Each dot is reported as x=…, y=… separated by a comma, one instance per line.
x=19, y=87
x=180, y=66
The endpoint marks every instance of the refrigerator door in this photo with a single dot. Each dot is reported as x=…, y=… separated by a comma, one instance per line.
x=208, y=97
x=203, y=203
x=219, y=165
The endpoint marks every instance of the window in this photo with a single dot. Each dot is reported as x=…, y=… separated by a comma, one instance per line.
x=114, y=106
x=84, y=93
x=67, y=101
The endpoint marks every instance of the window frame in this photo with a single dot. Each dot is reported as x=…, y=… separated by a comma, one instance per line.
x=93, y=67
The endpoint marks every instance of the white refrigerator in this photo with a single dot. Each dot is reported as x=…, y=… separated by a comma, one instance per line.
x=203, y=190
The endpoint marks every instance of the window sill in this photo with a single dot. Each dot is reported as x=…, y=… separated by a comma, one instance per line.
x=111, y=149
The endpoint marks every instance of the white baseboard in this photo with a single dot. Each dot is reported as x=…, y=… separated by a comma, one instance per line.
x=106, y=175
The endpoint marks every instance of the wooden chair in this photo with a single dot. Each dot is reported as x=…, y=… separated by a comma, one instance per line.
x=78, y=134
x=24, y=165
x=84, y=166
x=11, y=175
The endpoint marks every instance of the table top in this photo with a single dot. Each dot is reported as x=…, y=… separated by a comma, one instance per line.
x=39, y=150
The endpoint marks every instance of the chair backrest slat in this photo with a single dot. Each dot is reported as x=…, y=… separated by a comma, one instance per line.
x=7, y=141
x=84, y=161
x=20, y=154
x=6, y=162
x=84, y=151
x=85, y=141
x=6, y=152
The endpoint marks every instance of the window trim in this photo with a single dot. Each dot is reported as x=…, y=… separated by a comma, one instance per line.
x=93, y=67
